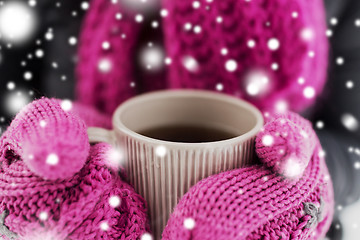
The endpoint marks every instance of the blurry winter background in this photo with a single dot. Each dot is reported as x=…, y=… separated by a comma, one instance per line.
x=38, y=41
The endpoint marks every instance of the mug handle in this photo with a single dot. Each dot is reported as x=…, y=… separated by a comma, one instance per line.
x=101, y=135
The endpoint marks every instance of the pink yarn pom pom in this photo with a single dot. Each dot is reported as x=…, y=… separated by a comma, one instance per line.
x=286, y=144
x=52, y=141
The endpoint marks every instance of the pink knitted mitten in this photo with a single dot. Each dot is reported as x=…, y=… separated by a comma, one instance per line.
x=289, y=197
x=54, y=185
x=271, y=53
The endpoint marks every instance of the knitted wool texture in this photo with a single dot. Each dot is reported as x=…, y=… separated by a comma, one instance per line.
x=54, y=185
x=200, y=41
x=260, y=202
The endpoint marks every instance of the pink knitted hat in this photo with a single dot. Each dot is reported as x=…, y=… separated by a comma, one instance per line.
x=271, y=53
x=54, y=185
x=290, y=196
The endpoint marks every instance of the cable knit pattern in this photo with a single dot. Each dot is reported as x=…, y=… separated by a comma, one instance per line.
x=66, y=197
x=242, y=21
x=105, y=89
x=227, y=24
x=257, y=203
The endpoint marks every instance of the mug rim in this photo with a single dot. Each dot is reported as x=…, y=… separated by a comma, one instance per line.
x=119, y=126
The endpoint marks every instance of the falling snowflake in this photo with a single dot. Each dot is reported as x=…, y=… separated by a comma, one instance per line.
x=42, y=123
x=28, y=76
x=52, y=159
x=292, y=168
x=160, y=151
x=105, y=45
x=320, y=124
x=257, y=83
x=333, y=21
x=251, y=43
x=196, y=4
x=190, y=63
x=357, y=22
x=164, y=13
x=104, y=226
x=340, y=61
x=224, y=51
x=329, y=32
x=104, y=65
x=66, y=105
x=197, y=29
x=267, y=140
x=43, y=216
x=307, y=34
x=72, y=41
x=349, y=122
x=85, y=5
x=309, y=92
x=15, y=101
x=18, y=22
x=114, y=201
x=219, y=87
x=189, y=223
x=349, y=84
x=146, y=236
x=11, y=85
x=152, y=57
x=273, y=44
x=231, y=65
x=115, y=157
x=139, y=18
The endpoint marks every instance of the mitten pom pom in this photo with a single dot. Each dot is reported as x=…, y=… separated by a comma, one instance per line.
x=55, y=144
x=285, y=147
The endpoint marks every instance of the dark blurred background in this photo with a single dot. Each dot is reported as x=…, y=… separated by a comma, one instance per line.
x=43, y=65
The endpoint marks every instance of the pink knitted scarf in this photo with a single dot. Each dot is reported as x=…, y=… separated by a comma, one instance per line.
x=54, y=185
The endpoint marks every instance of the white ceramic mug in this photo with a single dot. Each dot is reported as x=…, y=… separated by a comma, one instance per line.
x=163, y=171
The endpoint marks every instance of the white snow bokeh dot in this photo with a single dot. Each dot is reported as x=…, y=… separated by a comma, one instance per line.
x=231, y=65
x=333, y=21
x=219, y=87
x=273, y=44
x=190, y=63
x=139, y=18
x=11, y=85
x=52, y=159
x=146, y=236
x=152, y=58
x=18, y=22
x=160, y=151
x=309, y=92
x=104, y=65
x=115, y=157
x=72, y=40
x=349, y=84
x=114, y=201
x=85, y=5
x=340, y=61
x=320, y=124
x=257, y=83
x=189, y=223
x=292, y=168
x=307, y=34
x=15, y=101
x=350, y=122
x=267, y=140
x=251, y=43
x=281, y=106
x=104, y=226
x=43, y=216
x=66, y=105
